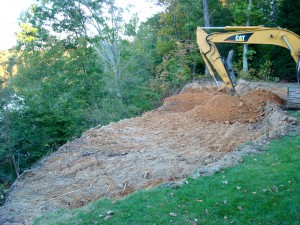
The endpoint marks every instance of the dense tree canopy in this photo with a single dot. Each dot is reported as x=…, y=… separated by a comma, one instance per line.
x=79, y=64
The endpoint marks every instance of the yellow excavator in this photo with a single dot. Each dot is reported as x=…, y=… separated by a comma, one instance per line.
x=247, y=35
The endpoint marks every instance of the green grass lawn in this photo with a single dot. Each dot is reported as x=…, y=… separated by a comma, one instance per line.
x=264, y=189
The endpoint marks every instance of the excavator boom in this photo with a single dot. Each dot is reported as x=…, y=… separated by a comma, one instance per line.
x=243, y=35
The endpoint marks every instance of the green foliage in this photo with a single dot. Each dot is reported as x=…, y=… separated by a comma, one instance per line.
x=65, y=91
x=3, y=191
x=177, y=68
x=264, y=73
x=259, y=13
x=283, y=64
x=288, y=17
x=7, y=172
x=27, y=33
x=176, y=44
x=264, y=189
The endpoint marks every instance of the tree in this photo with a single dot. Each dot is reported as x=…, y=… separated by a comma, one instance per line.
x=287, y=17
x=245, y=58
x=206, y=13
x=99, y=21
x=249, y=13
x=274, y=11
x=55, y=94
x=206, y=24
x=10, y=104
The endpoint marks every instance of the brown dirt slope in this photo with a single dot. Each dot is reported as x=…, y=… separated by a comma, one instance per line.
x=194, y=129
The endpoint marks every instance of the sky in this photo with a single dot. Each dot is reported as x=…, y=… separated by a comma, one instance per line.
x=10, y=11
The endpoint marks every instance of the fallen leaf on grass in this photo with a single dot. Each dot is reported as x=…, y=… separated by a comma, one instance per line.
x=192, y=222
x=275, y=189
x=225, y=182
x=240, y=208
x=109, y=212
x=107, y=218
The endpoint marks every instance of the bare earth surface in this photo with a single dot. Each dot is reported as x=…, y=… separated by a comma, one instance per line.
x=196, y=132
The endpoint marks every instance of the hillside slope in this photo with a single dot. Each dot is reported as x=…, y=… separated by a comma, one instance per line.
x=192, y=133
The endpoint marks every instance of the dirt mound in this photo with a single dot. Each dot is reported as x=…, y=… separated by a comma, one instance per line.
x=221, y=107
x=192, y=130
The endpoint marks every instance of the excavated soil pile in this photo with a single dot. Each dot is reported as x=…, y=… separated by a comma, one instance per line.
x=209, y=105
x=192, y=130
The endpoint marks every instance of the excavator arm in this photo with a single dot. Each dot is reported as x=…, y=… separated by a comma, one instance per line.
x=243, y=35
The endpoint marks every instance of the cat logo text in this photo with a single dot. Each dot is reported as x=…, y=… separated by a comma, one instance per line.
x=240, y=38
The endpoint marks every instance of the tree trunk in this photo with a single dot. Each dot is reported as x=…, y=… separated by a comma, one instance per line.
x=245, y=61
x=110, y=54
x=117, y=75
x=206, y=24
x=7, y=133
x=274, y=11
x=17, y=170
x=109, y=50
x=175, y=20
x=206, y=13
x=245, y=58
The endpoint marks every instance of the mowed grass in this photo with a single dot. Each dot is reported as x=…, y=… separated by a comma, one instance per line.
x=264, y=189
